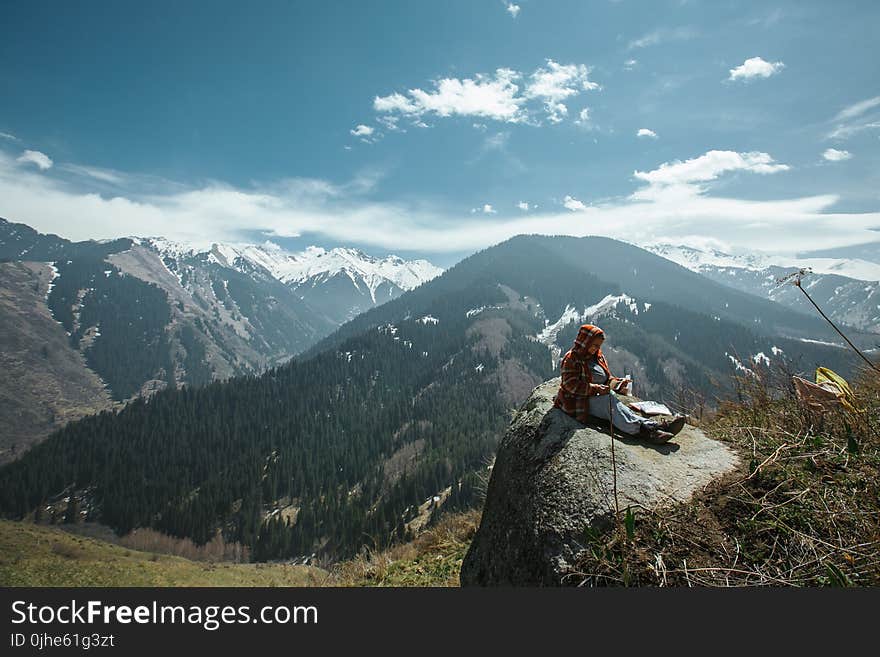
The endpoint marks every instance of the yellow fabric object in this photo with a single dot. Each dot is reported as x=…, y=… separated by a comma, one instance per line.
x=832, y=381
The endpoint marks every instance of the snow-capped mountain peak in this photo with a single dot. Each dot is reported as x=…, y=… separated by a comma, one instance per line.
x=297, y=267
x=699, y=260
x=846, y=288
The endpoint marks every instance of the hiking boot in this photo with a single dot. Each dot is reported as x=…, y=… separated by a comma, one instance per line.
x=656, y=436
x=674, y=425
x=659, y=437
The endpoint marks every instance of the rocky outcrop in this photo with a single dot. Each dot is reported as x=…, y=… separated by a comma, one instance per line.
x=553, y=478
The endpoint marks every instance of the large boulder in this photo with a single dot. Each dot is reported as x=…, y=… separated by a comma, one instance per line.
x=553, y=478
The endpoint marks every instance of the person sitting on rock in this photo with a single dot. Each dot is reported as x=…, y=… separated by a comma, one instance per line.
x=586, y=390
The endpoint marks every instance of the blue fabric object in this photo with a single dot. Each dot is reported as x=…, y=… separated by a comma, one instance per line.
x=625, y=419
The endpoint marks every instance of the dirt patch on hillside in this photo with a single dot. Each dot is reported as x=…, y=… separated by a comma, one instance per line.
x=45, y=382
x=492, y=334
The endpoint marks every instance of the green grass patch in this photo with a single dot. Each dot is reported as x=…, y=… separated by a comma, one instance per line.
x=37, y=555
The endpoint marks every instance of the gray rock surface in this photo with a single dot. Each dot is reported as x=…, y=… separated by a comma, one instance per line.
x=553, y=478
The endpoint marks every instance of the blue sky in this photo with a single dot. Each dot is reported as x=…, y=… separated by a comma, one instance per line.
x=434, y=129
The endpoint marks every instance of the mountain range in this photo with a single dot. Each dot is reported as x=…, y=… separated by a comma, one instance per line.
x=846, y=288
x=117, y=319
x=405, y=402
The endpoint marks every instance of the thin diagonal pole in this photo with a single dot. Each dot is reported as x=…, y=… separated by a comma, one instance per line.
x=613, y=459
x=815, y=305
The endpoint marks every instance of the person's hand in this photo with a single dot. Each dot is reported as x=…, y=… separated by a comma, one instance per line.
x=602, y=390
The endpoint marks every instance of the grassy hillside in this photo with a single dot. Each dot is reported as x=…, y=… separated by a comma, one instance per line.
x=36, y=555
x=432, y=559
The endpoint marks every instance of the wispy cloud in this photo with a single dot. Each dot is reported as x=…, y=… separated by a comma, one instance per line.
x=673, y=201
x=834, y=155
x=846, y=131
x=630, y=64
x=104, y=175
x=6, y=135
x=768, y=20
x=522, y=205
x=663, y=35
x=755, y=67
x=42, y=160
x=507, y=95
x=496, y=142
x=390, y=122
x=646, y=132
x=512, y=9
x=583, y=118
x=857, y=109
x=851, y=119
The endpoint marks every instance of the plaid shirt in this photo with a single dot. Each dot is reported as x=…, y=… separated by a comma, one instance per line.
x=577, y=383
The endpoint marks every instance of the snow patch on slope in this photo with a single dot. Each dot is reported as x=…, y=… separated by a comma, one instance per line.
x=570, y=314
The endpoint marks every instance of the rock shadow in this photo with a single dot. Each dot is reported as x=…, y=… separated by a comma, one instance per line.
x=602, y=427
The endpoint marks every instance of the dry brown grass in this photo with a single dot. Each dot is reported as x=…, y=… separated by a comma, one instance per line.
x=146, y=539
x=804, y=509
x=432, y=559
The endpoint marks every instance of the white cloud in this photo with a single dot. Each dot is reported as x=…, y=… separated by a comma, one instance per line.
x=556, y=112
x=492, y=97
x=6, y=135
x=394, y=103
x=646, y=132
x=488, y=209
x=390, y=122
x=857, y=109
x=755, y=67
x=522, y=205
x=496, y=142
x=42, y=160
x=768, y=20
x=512, y=9
x=663, y=35
x=630, y=64
x=498, y=97
x=847, y=123
x=834, y=155
x=555, y=82
x=673, y=203
x=104, y=175
x=362, y=131
x=365, y=133
x=573, y=204
x=583, y=118
x=708, y=167
x=844, y=131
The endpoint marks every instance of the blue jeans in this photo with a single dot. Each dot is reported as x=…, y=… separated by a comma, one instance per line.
x=624, y=418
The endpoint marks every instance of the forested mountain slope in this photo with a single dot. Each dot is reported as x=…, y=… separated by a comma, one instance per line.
x=404, y=403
